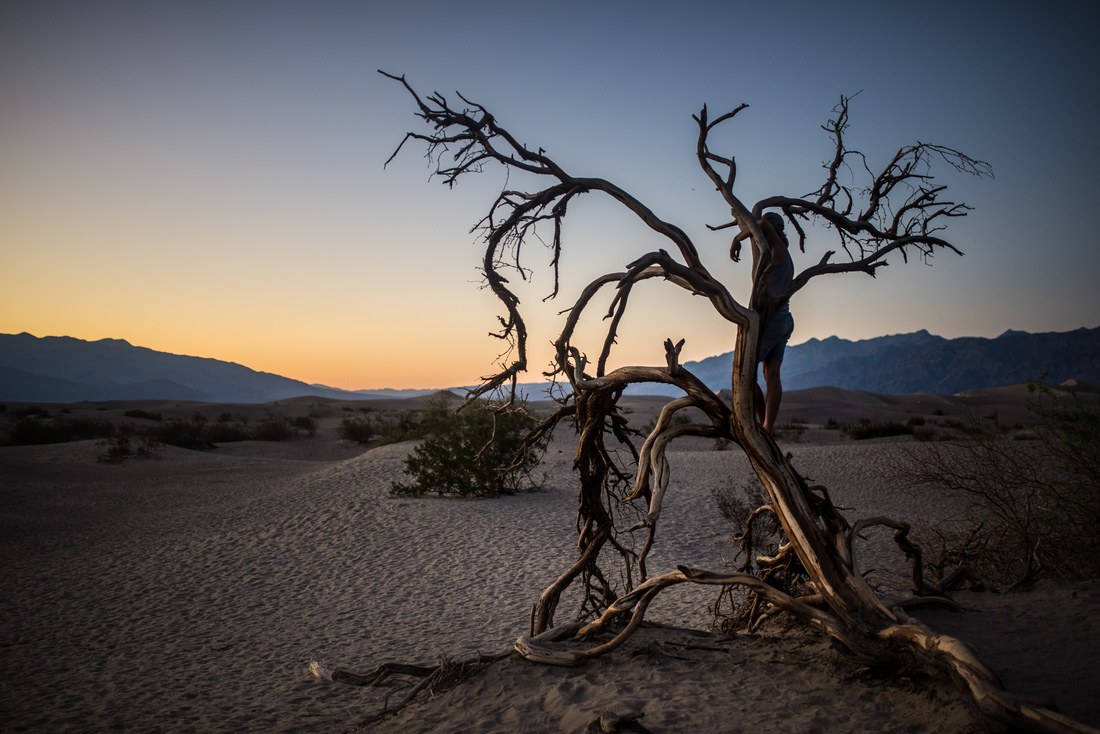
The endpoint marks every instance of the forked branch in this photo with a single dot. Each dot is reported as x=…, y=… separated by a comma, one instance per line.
x=898, y=209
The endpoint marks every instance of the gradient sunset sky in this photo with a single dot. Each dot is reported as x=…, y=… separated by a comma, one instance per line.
x=206, y=178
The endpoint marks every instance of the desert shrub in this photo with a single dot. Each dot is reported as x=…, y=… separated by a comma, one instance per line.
x=31, y=411
x=793, y=430
x=127, y=443
x=403, y=427
x=29, y=430
x=916, y=420
x=736, y=503
x=274, y=428
x=144, y=414
x=188, y=434
x=305, y=423
x=388, y=427
x=118, y=450
x=224, y=432
x=757, y=534
x=357, y=429
x=927, y=433
x=1033, y=506
x=474, y=452
x=866, y=429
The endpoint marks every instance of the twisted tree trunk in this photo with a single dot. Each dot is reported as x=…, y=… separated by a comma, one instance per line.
x=898, y=210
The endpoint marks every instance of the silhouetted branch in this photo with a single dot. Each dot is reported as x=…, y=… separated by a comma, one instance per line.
x=898, y=209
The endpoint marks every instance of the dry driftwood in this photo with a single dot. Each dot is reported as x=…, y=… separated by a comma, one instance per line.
x=897, y=210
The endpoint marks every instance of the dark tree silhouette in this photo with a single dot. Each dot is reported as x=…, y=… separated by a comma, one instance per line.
x=874, y=213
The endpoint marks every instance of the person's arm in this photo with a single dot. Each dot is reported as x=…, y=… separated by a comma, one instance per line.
x=776, y=241
x=735, y=246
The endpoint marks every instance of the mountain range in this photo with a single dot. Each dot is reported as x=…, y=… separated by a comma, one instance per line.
x=60, y=369
x=924, y=362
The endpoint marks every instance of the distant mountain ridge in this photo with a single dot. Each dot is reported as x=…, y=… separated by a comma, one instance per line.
x=61, y=369
x=65, y=369
x=923, y=362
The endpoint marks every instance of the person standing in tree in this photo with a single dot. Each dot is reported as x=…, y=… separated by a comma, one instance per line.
x=778, y=329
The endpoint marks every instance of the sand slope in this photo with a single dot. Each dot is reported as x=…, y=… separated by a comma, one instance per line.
x=189, y=593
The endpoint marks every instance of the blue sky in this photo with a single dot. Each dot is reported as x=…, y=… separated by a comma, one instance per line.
x=207, y=177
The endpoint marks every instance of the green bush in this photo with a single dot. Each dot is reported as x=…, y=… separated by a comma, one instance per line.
x=475, y=452
x=403, y=427
x=358, y=430
x=274, y=428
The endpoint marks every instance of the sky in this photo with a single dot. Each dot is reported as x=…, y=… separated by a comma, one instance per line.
x=207, y=178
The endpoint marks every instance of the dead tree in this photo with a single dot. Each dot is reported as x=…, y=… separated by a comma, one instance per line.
x=897, y=211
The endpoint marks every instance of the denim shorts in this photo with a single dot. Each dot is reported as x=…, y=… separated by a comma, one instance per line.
x=773, y=342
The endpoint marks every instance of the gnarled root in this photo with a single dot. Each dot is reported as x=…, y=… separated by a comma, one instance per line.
x=966, y=667
x=981, y=683
x=432, y=677
x=539, y=648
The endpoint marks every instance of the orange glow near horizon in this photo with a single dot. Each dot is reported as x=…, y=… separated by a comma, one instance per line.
x=174, y=178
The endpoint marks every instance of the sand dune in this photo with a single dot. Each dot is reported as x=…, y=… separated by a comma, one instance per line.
x=189, y=592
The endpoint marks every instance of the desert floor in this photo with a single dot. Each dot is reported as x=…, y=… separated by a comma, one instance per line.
x=191, y=590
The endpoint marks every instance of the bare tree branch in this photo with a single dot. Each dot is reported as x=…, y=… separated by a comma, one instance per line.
x=898, y=209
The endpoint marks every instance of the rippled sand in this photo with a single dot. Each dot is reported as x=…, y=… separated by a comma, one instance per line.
x=190, y=592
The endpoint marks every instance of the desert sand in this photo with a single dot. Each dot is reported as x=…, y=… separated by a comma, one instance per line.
x=191, y=591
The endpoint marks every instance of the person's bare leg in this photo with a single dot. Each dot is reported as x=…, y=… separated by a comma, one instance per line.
x=760, y=412
x=774, y=395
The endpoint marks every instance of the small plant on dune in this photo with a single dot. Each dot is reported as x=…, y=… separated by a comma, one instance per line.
x=306, y=423
x=127, y=443
x=474, y=452
x=793, y=430
x=758, y=538
x=192, y=433
x=356, y=429
x=274, y=428
x=224, y=431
